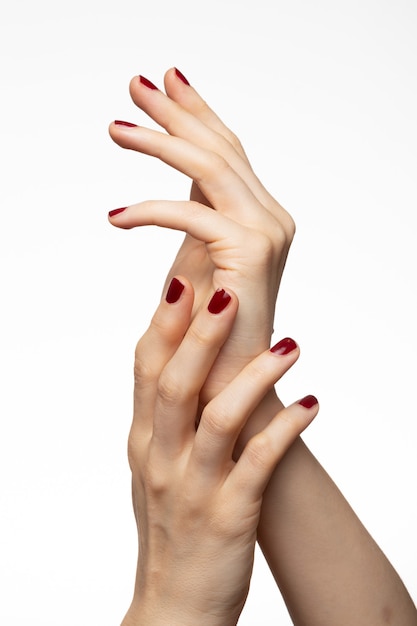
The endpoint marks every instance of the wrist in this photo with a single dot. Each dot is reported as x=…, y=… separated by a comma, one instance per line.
x=157, y=613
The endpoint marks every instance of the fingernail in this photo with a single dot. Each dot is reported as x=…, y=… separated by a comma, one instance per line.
x=175, y=290
x=117, y=211
x=122, y=123
x=308, y=402
x=219, y=301
x=147, y=83
x=181, y=76
x=284, y=346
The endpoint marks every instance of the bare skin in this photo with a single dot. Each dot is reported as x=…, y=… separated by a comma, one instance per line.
x=196, y=509
x=328, y=568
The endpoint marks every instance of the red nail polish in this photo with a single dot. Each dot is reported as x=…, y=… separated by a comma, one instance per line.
x=181, y=76
x=308, y=402
x=122, y=123
x=285, y=346
x=147, y=83
x=219, y=301
x=175, y=290
x=117, y=211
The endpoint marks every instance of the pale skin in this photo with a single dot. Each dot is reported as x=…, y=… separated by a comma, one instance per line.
x=196, y=509
x=329, y=570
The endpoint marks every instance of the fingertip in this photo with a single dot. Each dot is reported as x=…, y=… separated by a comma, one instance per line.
x=116, y=218
x=219, y=301
x=181, y=77
x=175, y=290
x=308, y=402
x=284, y=346
x=115, y=212
x=174, y=76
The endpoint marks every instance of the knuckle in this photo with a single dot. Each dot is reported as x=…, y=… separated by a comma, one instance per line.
x=258, y=375
x=215, y=166
x=234, y=140
x=146, y=471
x=290, y=227
x=260, y=452
x=136, y=450
x=142, y=370
x=217, y=421
x=263, y=248
x=156, y=483
x=201, y=337
x=169, y=391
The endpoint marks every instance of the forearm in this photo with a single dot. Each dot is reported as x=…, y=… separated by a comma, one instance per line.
x=329, y=569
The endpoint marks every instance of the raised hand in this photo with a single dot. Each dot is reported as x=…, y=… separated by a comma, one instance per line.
x=242, y=244
x=196, y=509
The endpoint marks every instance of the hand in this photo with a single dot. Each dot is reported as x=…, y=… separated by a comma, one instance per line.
x=242, y=245
x=196, y=509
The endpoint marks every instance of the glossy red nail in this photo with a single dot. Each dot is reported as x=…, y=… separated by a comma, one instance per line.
x=181, y=76
x=117, y=211
x=219, y=301
x=122, y=123
x=175, y=290
x=308, y=401
x=147, y=83
x=285, y=346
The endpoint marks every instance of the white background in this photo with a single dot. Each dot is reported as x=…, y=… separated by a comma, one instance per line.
x=323, y=95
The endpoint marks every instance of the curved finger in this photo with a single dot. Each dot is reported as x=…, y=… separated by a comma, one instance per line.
x=219, y=182
x=239, y=254
x=183, y=376
x=193, y=218
x=158, y=344
x=178, y=88
x=262, y=453
x=182, y=122
x=225, y=416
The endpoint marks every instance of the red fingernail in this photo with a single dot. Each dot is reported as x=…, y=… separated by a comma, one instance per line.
x=175, y=290
x=284, y=346
x=122, y=123
x=219, y=301
x=147, y=83
x=117, y=211
x=308, y=402
x=181, y=76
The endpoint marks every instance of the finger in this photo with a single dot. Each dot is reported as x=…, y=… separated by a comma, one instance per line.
x=179, y=121
x=262, y=453
x=179, y=90
x=219, y=182
x=182, y=378
x=225, y=416
x=193, y=218
x=182, y=123
x=159, y=343
x=185, y=95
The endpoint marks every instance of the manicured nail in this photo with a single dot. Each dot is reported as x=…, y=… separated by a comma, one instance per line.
x=147, y=83
x=219, y=301
x=175, y=290
x=117, y=211
x=181, y=76
x=284, y=346
x=308, y=402
x=122, y=123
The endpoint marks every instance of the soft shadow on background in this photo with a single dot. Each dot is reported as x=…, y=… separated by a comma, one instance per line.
x=323, y=96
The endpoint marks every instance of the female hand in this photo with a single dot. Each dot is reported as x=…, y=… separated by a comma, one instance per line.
x=196, y=509
x=242, y=245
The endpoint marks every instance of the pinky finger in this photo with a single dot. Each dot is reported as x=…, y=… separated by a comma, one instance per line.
x=265, y=450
